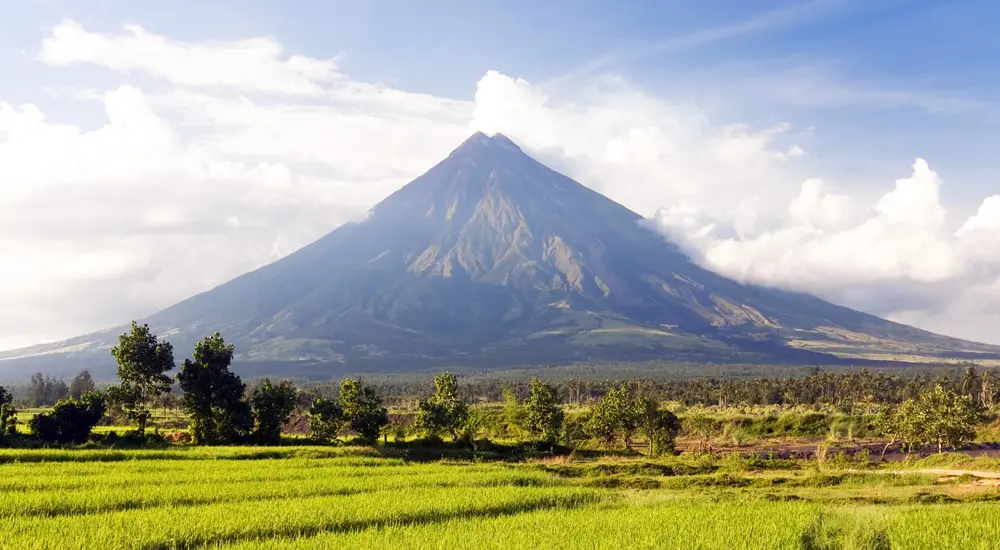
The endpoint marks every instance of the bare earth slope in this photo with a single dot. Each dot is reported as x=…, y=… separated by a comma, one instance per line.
x=491, y=258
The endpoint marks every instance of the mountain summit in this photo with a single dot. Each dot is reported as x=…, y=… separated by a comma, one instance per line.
x=491, y=258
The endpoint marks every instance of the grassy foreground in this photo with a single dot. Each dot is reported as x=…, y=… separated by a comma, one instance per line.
x=324, y=497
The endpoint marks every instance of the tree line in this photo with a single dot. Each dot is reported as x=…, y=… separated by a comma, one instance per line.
x=846, y=390
x=45, y=391
x=222, y=409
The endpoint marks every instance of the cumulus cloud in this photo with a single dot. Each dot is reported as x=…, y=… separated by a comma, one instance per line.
x=215, y=158
x=640, y=150
x=254, y=64
x=896, y=258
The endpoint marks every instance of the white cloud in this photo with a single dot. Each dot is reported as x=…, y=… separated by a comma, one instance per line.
x=898, y=259
x=638, y=149
x=254, y=64
x=218, y=157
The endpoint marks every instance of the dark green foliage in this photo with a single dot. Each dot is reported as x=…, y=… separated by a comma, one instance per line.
x=71, y=421
x=661, y=427
x=543, y=414
x=362, y=410
x=615, y=415
x=142, y=365
x=326, y=419
x=445, y=411
x=213, y=396
x=272, y=407
x=8, y=414
x=357, y=407
x=81, y=384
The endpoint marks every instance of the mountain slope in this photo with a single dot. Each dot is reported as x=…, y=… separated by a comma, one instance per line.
x=492, y=258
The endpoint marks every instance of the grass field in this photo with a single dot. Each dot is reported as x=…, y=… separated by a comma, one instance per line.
x=346, y=497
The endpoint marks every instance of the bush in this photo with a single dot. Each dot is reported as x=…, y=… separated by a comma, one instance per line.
x=71, y=421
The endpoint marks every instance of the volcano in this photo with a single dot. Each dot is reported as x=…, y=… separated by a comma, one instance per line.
x=492, y=259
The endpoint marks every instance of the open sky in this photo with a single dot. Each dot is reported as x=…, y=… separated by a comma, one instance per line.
x=153, y=150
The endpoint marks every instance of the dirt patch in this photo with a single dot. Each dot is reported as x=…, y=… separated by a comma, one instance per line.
x=177, y=437
x=298, y=425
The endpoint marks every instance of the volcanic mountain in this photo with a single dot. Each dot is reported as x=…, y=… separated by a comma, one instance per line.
x=491, y=258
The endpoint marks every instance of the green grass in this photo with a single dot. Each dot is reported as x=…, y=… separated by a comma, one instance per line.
x=348, y=497
x=954, y=461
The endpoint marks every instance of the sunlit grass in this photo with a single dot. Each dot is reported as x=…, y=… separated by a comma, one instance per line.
x=352, y=497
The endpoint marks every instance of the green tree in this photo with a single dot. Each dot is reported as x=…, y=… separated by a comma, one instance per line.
x=909, y=424
x=326, y=419
x=272, y=406
x=213, y=396
x=660, y=427
x=939, y=417
x=949, y=418
x=143, y=361
x=444, y=411
x=543, y=414
x=513, y=412
x=81, y=384
x=71, y=421
x=887, y=425
x=615, y=415
x=8, y=414
x=362, y=410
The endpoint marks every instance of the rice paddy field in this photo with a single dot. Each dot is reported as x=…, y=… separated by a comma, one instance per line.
x=347, y=497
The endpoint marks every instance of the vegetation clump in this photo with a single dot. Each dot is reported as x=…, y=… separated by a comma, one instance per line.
x=70, y=421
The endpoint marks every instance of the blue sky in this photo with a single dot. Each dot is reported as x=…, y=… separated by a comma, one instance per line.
x=695, y=114
x=922, y=70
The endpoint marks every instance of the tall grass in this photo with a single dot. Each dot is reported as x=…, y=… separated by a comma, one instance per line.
x=299, y=497
x=694, y=525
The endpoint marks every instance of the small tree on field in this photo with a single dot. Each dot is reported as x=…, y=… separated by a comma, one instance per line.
x=615, y=415
x=272, y=406
x=142, y=363
x=513, y=413
x=543, y=414
x=362, y=410
x=8, y=414
x=444, y=411
x=949, y=418
x=888, y=427
x=213, y=396
x=326, y=419
x=81, y=384
x=940, y=417
x=660, y=427
x=71, y=421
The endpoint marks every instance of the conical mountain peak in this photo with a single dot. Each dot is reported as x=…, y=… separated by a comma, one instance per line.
x=481, y=143
x=492, y=258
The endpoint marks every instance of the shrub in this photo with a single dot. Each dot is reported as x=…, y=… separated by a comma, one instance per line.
x=71, y=421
